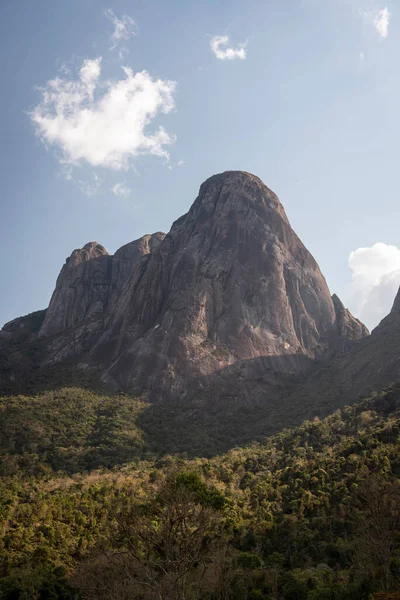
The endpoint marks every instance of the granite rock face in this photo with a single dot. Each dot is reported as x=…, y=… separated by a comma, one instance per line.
x=230, y=283
x=81, y=290
x=349, y=329
x=229, y=304
x=89, y=283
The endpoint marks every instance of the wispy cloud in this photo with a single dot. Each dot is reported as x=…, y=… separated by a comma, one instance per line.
x=219, y=45
x=380, y=19
x=124, y=29
x=121, y=190
x=375, y=281
x=104, y=123
x=91, y=187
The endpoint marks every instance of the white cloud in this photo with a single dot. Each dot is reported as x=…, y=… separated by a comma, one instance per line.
x=104, y=123
x=362, y=56
x=381, y=22
x=219, y=45
x=375, y=282
x=121, y=190
x=89, y=74
x=180, y=163
x=380, y=19
x=124, y=28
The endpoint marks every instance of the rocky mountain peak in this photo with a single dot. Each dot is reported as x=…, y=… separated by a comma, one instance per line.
x=87, y=287
x=231, y=282
x=236, y=193
x=230, y=292
x=349, y=328
x=243, y=180
x=89, y=251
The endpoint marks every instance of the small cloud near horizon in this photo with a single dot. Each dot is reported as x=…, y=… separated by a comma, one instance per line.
x=375, y=282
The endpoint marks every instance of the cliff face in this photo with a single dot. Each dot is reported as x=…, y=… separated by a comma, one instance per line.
x=230, y=297
x=87, y=289
x=81, y=290
x=349, y=329
x=230, y=282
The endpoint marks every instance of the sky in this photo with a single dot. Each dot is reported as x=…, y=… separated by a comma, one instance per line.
x=113, y=113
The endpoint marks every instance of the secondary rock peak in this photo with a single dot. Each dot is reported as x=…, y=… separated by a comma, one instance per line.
x=88, y=252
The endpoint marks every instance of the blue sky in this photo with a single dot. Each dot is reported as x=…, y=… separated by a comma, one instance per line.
x=303, y=93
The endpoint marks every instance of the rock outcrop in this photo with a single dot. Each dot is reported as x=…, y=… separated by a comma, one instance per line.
x=349, y=329
x=228, y=304
x=231, y=282
x=81, y=291
x=88, y=286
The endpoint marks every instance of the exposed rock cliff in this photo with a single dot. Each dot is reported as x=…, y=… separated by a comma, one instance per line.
x=81, y=291
x=230, y=304
x=349, y=329
x=89, y=284
x=229, y=283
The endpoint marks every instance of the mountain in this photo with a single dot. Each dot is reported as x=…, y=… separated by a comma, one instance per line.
x=230, y=290
x=227, y=330
x=371, y=364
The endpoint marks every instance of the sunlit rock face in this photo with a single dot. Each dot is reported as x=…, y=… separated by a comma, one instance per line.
x=229, y=286
x=89, y=285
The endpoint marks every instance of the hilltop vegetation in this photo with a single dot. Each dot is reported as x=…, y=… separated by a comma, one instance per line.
x=309, y=514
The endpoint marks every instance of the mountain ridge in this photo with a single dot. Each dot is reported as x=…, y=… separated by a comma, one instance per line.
x=227, y=310
x=230, y=281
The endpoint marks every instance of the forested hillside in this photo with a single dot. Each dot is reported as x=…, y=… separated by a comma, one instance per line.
x=312, y=513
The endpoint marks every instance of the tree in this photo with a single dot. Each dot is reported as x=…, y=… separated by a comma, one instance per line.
x=377, y=528
x=162, y=549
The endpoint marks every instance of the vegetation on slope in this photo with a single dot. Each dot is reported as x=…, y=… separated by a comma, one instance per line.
x=309, y=514
x=69, y=430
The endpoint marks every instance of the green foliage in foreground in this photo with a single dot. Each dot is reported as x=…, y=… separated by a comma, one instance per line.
x=310, y=514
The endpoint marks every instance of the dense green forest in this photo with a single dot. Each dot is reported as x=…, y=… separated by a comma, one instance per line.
x=89, y=511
